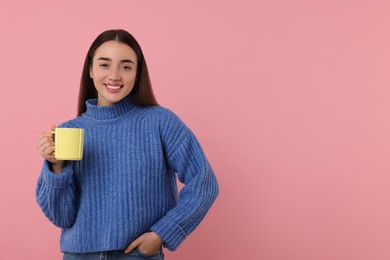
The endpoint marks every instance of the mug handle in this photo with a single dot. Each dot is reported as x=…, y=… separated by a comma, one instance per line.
x=53, y=132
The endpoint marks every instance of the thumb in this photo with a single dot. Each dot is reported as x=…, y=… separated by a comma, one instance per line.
x=133, y=245
x=53, y=127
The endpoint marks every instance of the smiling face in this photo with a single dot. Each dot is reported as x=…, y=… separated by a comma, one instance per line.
x=114, y=72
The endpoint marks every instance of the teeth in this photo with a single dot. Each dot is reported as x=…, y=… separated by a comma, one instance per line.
x=113, y=87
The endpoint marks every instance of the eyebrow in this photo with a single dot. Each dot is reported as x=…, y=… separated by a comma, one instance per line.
x=122, y=61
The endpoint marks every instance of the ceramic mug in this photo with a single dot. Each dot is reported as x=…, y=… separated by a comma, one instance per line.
x=69, y=143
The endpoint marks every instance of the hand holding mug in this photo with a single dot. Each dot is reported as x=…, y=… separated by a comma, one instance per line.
x=67, y=144
x=46, y=148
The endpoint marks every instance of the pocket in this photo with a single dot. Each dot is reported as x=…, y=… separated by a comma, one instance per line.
x=153, y=256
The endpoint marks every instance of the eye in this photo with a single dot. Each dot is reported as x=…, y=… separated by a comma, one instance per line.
x=126, y=67
x=103, y=65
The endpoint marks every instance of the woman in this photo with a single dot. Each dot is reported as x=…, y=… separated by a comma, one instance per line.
x=121, y=201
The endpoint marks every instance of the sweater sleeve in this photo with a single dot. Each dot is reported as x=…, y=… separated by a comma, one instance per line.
x=56, y=195
x=186, y=157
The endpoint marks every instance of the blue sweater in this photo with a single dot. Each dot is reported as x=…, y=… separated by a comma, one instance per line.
x=126, y=183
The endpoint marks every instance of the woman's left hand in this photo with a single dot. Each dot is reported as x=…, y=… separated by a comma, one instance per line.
x=148, y=244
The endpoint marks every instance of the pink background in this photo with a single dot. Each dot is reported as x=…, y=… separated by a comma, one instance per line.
x=290, y=100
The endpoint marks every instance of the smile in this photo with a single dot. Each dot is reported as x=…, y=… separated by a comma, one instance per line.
x=114, y=87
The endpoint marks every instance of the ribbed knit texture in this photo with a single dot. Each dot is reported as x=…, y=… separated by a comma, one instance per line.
x=126, y=183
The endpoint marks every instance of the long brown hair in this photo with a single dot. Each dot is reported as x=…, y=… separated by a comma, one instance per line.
x=142, y=92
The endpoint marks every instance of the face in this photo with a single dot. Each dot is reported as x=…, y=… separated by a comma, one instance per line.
x=114, y=71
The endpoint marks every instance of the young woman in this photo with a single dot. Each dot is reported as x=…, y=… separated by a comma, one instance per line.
x=121, y=200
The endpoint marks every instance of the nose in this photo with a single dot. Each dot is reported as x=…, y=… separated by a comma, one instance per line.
x=114, y=75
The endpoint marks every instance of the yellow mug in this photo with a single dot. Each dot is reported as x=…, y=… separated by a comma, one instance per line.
x=69, y=143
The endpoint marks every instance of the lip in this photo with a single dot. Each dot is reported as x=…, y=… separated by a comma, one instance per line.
x=115, y=88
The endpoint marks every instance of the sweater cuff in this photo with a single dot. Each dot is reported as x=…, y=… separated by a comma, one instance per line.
x=57, y=180
x=170, y=232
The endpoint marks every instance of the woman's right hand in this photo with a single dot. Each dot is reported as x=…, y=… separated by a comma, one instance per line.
x=46, y=149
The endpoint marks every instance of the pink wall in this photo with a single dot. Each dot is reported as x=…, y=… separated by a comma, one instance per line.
x=288, y=98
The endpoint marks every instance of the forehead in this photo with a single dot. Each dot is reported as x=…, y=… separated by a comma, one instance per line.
x=115, y=51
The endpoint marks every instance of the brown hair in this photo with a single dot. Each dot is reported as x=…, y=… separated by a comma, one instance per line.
x=142, y=92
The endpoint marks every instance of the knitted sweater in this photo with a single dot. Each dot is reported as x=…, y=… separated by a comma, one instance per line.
x=125, y=185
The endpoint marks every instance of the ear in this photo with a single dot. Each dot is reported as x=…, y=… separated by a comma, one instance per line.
x=90, y=72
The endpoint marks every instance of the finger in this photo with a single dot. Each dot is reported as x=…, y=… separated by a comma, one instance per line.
x=44, y=146
x=133, y=245
x=53, y=127
x=44, y=143
x=45, y=137
x=48, y=148
x=43, y=140
x=48, y=153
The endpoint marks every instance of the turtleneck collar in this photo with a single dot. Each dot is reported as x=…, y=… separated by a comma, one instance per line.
x=107, y=112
